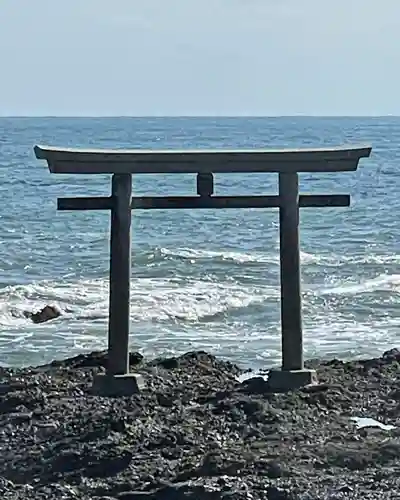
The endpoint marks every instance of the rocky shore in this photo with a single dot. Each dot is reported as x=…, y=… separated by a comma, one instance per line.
x=198, y=433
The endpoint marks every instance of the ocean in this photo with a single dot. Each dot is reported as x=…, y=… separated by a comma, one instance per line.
x=200, y=279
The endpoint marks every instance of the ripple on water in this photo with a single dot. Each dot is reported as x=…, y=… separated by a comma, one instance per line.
x=202, y=279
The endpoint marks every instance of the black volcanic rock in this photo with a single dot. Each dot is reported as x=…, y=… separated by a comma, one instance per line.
x=195, y=432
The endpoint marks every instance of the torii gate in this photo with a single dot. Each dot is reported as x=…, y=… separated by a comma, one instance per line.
x=288, y=163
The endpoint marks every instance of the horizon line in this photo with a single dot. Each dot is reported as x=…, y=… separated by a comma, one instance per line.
x=200, y=116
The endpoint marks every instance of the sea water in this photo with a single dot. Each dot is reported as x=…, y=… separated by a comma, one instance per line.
x=201, y=279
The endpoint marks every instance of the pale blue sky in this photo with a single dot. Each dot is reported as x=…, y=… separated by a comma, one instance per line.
x=192, y=57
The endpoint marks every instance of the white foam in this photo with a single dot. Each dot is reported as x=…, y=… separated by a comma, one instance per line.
x=237, y=257
x=382, y=282
x=151, y=299
x=237, y=314
x=329, y=260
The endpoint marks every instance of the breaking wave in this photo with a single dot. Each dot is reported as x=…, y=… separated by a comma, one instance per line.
x=234, y=310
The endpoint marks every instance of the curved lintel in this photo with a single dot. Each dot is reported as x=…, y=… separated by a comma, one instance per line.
x=101, y=161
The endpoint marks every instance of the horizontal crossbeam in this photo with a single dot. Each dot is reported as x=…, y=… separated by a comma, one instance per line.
x=139, y=161
x=85, y=203
x=202, y=202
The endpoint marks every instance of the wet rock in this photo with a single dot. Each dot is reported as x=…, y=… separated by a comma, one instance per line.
x=93, y=360
x=256, y=385
x=274, y=470
x=5, y=485
x=391, y=355
x=274, y=493
x=19, y=418
x=48, y=313
x=6, y=388
x=168, y=364
x=198, y=359
x=137, y=495
x=186, y=490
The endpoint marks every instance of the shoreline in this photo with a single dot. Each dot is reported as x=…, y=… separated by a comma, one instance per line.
x=243, y=365
x=196, y=432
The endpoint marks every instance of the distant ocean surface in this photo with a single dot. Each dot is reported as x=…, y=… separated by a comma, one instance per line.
x=200, y=279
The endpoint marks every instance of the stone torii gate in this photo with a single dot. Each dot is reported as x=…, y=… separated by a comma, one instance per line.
x=121, y=164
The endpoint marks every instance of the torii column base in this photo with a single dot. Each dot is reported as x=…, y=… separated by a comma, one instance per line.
x=117, y=385
x=287, y=380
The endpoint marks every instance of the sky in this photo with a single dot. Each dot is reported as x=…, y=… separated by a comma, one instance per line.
x=192, y=57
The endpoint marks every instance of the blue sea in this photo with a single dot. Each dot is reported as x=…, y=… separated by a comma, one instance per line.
x=200, y=279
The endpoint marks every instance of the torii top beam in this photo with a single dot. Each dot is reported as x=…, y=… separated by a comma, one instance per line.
x=142, y=161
